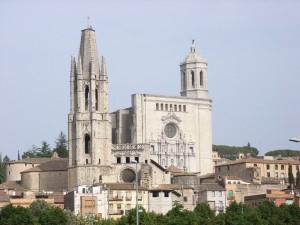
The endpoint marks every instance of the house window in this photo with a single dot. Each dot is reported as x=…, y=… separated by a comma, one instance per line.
x=276, y=174
x=213, y=194
x=185, y=198
x=155, y=194
x=175, y=107
x=276, y=167
x=220, y=193
x=268, y=166
x=83, y=190
x=118, y=159
x=99, y=161
x=86, y=161
x=179, y=108
x=127, y=159
x=184, y=108
x=161, y=106
x=282, y=167
x=166, y=106
x=157, y=106
x=166, y=194
x=146, y=161
x=136, y=159
x=268, y=174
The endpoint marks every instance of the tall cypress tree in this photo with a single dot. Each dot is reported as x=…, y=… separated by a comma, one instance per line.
x=291, y=177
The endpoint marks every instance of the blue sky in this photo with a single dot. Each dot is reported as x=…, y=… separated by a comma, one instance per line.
x=252, y=49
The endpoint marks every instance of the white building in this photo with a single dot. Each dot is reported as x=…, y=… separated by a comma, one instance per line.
x=215, y=195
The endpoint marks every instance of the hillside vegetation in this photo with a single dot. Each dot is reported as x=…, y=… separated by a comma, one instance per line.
x=283, y=153
x=231, y=152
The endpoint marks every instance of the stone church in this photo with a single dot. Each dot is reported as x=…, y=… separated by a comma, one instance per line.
x=155, y=133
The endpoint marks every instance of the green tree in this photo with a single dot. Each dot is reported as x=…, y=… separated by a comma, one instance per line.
x=291, y=177
x=231, y=152
x=179, y=215
x=3, y=167
x=10, y=215
x=269, y=213
x=283, y=153
x=45, y=150
x=53, y=216
x=34, y=152
x=298, y=179
x=203, y=213
x=30, y=153
x=38, y=206
x=61, y=145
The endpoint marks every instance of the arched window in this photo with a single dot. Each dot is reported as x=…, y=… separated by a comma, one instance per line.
x=87, y=143
x=162, y=106
x=87, y=97
x=157, y=106
x=268, y=166
x=96, y=96
x=193, y=78
x=183, y=81
x=201, y=78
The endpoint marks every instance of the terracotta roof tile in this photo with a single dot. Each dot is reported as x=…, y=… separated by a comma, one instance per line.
x=53, y=165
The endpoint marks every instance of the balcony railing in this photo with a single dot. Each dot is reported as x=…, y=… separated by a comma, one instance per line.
x=115, y=198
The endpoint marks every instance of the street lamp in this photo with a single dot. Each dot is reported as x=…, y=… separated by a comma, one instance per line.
x=136, y=194
x=294, y=139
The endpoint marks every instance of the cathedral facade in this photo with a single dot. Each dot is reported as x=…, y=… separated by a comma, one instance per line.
x=154, y=133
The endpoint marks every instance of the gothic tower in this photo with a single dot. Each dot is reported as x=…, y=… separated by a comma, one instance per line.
x=194, y=75
x=89, y=124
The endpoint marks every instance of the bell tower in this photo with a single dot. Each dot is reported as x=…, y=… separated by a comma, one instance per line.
x=194, y=75
x=89, y=124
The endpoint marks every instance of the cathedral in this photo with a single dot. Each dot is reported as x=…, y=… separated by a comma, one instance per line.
x=155, y=133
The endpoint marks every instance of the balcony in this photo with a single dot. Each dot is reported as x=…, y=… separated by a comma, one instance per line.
x=219, y=208
x=116, y=198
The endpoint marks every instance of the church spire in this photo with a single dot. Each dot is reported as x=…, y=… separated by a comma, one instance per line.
x=88, y=51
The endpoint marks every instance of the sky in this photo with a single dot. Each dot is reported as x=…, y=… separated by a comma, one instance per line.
x=252, y=49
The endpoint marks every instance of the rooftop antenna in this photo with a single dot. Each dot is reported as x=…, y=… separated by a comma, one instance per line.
x=88, y=22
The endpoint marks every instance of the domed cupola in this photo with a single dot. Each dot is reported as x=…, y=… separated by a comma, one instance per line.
x=194, y=75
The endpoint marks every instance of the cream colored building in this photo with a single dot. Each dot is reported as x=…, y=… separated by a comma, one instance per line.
x=14, y=168
x=167, y=130
x=260, y=171
x=137, y=143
